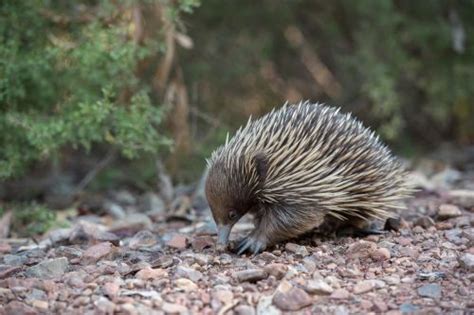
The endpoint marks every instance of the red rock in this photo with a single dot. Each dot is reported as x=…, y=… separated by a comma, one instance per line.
x=9, y=271
x=18, y=308
x=340, y=294
x=290, y=298
x=277, y=270
x=5, y=248
x=201, y=242
x=150, y=274
x=361, y=249
x=111, y=289
x=380, y=306
x=380, y=254
x=97, y=252
x=178, y=241
x=366, y=305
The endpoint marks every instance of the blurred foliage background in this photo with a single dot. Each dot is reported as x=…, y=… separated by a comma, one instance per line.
x=93, y=93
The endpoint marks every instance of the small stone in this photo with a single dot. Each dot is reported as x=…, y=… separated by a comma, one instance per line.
x=131, y=224
x=366, y=305
x=5, y=248
x=380, y=254
x=186, y=284
x=42, y=305
x=105, y=305
x=277, y=270
x=15, y=260
x=290, y=298
x=111, y=289
x=178, y=241
x=9, y=271
x=85, y=232
x=16, y=307
x=340, y=294
x=244, y=310
x=318, y=286
x=265, y=306
x=364, y=286
x=251, y=275
x=49, y=269
x=189, y=273
x=425, y=222
x=361, y=249
x=199, y=243
x=151, y=274
x=142, y=239
x=430, y=290
x=447, y=211
x=296, y=249
x=380, y=306
x=223, y=296
x=408, y=308
x=466, y=261
x=170, y=308
x=97, y=252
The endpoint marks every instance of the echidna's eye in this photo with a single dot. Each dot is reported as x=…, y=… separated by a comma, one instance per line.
x=232, y=214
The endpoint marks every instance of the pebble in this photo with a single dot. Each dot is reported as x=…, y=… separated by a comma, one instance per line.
x=361, y=249
x=15, y=260
x=150, y=273
x=84, y=232
x=380, y=254
x=364, y=287
x=277, y=270
x=178, y=241
x=199, y=243
x=42, y=305
x=189, y=273
x=265, y=306
x=290, y=298
x=142, y=239
x=319, y=287
x=447, y=211
x=244, y=310
x=171, y=308
x=408, y=308
x=425, y=222
x=432, y=290
x=466, y=261
x=340, y=294
x=297, y=249
x=223, y=296
x=104, y=305
x=16, y=307
x=5, y=248
x=186, y=284
x=97, y=252
x=251, y=275
x=49, y=269
x=111, y=289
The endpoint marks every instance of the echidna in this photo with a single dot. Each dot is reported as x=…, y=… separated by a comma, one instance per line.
x=296, y=167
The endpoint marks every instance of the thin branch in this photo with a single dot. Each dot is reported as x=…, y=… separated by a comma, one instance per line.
x=93, y=172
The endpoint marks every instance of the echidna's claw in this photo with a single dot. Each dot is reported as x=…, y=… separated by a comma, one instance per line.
x=250, y=243
x=244, y=244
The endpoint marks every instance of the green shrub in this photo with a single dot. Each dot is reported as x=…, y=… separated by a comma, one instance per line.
x=68, y=78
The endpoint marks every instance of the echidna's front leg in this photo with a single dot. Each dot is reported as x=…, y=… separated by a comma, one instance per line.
x=276, y=224
x=257, y=240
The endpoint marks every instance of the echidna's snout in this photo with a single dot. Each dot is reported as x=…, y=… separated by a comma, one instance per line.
x=223, y=232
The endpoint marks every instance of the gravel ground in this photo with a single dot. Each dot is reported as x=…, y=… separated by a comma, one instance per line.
x=154, y=263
